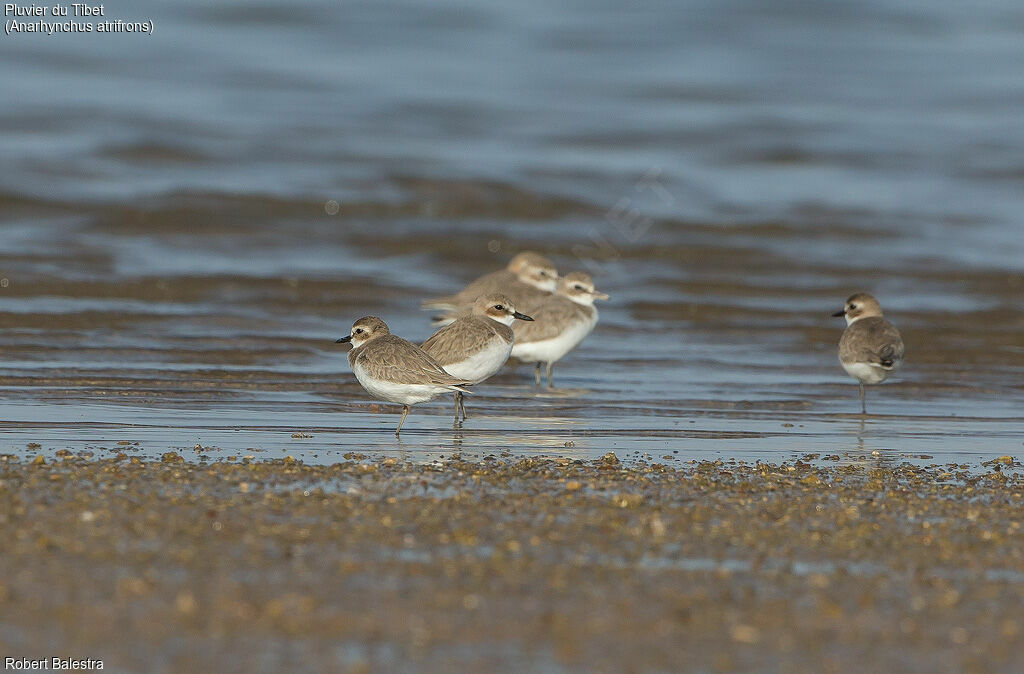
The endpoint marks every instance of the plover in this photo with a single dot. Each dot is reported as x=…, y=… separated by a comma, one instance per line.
x=392, y=369
x=529, y=277
x=559, y=323
x=871, y=347
x=475, y=346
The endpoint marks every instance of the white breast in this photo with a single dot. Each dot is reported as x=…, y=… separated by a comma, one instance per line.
x=483, y=363
x=551, y=350
x=406, y=394
x=866, y=372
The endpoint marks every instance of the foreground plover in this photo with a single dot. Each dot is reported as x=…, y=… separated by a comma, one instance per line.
x=559, y=324
x=392, y=369
x=871, y=347
x=476, y=345
x=528, y=278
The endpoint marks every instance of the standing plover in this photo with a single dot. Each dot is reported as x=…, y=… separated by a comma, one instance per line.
x=529, y=277
x=476, y=345
x=392, y=369
x=559, y=324
x=871, y=347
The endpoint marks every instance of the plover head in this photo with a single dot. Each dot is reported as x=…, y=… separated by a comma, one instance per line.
x=579, y=287
x=858, y=306
x=498, y=307
x=364, y=330
x=534, y=269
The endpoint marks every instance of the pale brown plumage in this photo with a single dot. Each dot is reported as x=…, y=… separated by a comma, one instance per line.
x=871, y=340
x=391, y=368
x=561, y=322
x=510, y=281
x=469, y=334
x=476, y=345
x=556, y=311
x=550, y=318
x=871, y=347
x=396, y=360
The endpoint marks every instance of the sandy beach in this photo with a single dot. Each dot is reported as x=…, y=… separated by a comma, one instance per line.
x=506, y=562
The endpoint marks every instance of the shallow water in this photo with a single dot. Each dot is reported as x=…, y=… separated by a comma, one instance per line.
x=188, y=221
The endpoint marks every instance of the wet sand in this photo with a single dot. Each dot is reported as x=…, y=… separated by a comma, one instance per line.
x=513, y=562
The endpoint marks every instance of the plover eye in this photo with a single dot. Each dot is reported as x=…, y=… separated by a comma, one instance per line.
x=358, y=330
x=579, y=287
x=499, y=307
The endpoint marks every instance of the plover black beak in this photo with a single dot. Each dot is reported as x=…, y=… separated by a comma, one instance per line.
x=346, y=338
x=841, y=312
x=521, y=316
